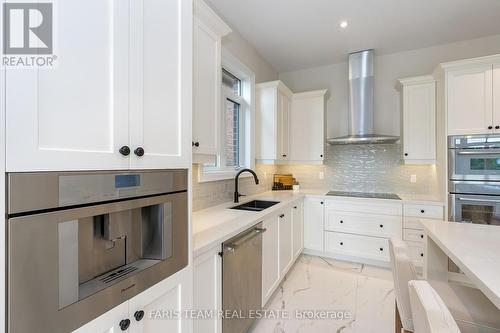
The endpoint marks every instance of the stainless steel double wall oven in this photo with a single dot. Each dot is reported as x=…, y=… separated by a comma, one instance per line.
x=80, y=243
x=474, y=179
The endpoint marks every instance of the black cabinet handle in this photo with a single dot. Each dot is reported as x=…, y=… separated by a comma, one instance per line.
x=341, y=221
x=421, y=254
x=497, y=127
x=125, y=150
x=381, y=249
x=406, y=154
x=422, y=211
x=381, y=225
x=322, y=202
x=139, y=151
x=341, y=243
x=195, y=144
x=124, y=324
x=282, y=216
x=421, y=236
x=490, y=127
x=294, y=207
x=284, y=155
x=138, y=315
x=320, y=155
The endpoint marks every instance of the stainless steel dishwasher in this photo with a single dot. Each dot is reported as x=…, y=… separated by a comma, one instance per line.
x=241, y=279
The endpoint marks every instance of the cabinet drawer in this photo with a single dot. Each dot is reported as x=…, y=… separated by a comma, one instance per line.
x=366, y=224
x=365, y=206
x=424, y=211
x=417, y=252
x=413, y=235
x=356, y=245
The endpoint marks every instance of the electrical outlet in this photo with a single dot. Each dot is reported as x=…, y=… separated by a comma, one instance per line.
x=321, y=175
x=413, y=178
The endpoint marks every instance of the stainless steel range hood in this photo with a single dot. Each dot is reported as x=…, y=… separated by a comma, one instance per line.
x=361, y=82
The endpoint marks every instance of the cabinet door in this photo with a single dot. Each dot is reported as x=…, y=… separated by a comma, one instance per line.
x=313, y=224
x=109, y=322
x=419, y=118
x=298, y=228
x=286, y=241
x=163, y=305
x=206, y=89
x=161, y=83
x=284, y=110
x=207, y=292
x=74, y=116
x=496, y=96
x=307, y=128
x=270, y=258
x=470, y=101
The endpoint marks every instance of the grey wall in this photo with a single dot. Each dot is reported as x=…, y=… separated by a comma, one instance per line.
x=388, y=69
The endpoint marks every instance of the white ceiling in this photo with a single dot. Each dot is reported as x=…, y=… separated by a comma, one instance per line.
x=296, y=34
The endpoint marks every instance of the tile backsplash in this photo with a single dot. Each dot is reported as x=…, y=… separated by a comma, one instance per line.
x=366, y=168
x=208, y=194
x=357, y=168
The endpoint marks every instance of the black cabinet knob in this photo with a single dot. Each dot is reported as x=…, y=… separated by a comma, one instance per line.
x=341, y=221
x=421, y=254
x=406, y=154
x=322, y=202
x=381, y=225
x=282, y=216
x=490, y=127
x=284, y=155
x=381, y=249
x=139, y=151
x=497, y=127
x=422, y=211
x=294, y=207
x=421, y=236
x=125, y=150
x=138, y=315
x=341, y=243
x=124, y=324
x=195, y=144
x=320, y=155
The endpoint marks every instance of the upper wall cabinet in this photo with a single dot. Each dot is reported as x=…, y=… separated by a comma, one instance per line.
x=274, y=105
x=419, y=120
x=472, y=98
x=208, y=32
x=290, y=127
x=308, y=127
x=119, y=96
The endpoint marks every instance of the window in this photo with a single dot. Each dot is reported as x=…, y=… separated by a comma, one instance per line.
x=236, y=119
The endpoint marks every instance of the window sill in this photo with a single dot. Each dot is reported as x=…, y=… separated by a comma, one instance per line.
x=212, y=176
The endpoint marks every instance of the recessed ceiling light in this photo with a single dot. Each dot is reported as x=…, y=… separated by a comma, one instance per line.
x=344, y=24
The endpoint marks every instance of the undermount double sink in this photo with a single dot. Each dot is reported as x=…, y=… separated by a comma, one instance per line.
x=256, y=205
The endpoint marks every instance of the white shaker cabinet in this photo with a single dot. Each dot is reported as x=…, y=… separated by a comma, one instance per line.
x=307, y=127
x=207, y=67
x=161, y=83
x=298, y=228
x=314, y=214
x=270, y=257
x=470, y=100
x=207, y=291
x=109, y=322
x=419, y=120
x=121, y=81
x=274, y=106
x=285, y=241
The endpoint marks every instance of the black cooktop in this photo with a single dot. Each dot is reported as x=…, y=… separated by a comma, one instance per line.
x=364, y=195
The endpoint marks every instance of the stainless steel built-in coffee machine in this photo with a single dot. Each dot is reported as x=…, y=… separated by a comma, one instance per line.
x=80, y=243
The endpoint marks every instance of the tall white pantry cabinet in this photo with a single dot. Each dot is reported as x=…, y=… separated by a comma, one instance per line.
x=119, y=96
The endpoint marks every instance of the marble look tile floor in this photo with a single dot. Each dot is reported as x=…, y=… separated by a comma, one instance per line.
x=364, y=292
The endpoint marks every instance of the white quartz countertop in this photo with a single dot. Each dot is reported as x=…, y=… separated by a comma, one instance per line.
x=474, y=249
x=214, y=225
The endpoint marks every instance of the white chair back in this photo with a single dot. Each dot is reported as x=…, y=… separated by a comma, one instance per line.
x=430, y=314
x=403, y=271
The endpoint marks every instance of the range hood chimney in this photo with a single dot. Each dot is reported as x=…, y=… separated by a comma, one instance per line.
x=361, y=82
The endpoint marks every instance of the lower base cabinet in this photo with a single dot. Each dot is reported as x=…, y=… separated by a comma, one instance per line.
x=270, y=257
x=207, y=290
x=314, y=215
x=158, y=309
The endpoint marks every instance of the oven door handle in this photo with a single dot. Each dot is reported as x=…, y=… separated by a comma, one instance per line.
x=478, y=152
x=477, y=200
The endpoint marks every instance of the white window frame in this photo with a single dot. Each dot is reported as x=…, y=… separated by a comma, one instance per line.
x=247, y=119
